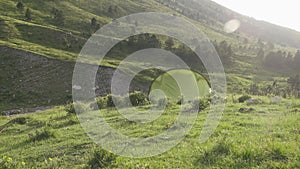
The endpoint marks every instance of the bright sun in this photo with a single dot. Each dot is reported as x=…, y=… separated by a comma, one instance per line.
x=284, y=13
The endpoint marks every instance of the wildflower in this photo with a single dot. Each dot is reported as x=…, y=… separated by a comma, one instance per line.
x=23, y=163
x=50, y=159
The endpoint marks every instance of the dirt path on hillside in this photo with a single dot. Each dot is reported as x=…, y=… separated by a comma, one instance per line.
x=23, y=111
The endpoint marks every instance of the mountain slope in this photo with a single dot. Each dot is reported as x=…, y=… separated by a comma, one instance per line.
x=215, y=15
x=59, y=28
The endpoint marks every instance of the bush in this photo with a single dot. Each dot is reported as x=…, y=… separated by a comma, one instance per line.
x=79, y=107
x=102, y=159
x=100, y=103
x=201, y=103
x=109, y=101
x=243, y=98
x=138, y=98
x=20, y=5
x=70, y=109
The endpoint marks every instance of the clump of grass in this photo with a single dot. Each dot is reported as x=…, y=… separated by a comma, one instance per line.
x=251, y=155
x=19, y=120
x=222, y=148
x=11, y=163
x=70, y=109
x=277, y=153
x=51, y=163
x=73, y=120
x=101, y=159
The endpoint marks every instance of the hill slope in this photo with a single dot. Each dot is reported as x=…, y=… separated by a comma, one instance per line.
x=59, y=28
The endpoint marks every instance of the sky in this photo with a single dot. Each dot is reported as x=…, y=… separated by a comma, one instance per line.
x=281, y=12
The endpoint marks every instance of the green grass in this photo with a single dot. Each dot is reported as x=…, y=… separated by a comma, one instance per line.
x=267, y=137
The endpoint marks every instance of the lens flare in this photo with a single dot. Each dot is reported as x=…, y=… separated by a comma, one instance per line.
x=232, y=26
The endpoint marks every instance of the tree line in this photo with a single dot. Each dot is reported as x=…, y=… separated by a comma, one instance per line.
x=57, y=15
x=280, y=60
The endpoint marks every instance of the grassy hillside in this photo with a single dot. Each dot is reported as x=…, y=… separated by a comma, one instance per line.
x=37, y=58
x=62, y=37
x=266, y=136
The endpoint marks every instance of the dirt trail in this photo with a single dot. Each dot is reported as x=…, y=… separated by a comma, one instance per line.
x=22, y=111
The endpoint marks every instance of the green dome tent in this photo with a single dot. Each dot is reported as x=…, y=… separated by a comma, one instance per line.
x=167, y=84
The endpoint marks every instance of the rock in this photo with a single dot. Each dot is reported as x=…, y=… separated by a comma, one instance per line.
x=246, y=110
x=76, y=87
x=276, y=99
x=254, y=101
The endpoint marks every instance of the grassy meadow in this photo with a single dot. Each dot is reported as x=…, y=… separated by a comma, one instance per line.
x=264, y=135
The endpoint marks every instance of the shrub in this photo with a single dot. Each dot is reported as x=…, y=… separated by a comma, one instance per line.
x=102, y=159
x=79, y=107
x=109, y=101
x=138, y=98
x=70, y=109
x=243, y=98
x=201, y=103
x=20, y=6
x=28, y=14
x=100, y=103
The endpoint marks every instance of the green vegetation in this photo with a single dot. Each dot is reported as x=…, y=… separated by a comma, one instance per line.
x=40, y=41
x=266, y=137
x=244, y=98
x=59, y=29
